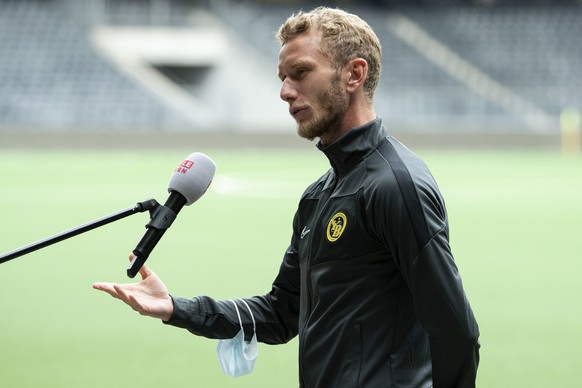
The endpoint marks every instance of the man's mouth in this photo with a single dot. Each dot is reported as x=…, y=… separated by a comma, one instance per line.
x=295, y=110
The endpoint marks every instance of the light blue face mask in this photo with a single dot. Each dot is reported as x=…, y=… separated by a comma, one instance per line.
x=236, y=356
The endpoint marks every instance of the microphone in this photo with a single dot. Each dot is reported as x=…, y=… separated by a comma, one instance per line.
x=188, y=183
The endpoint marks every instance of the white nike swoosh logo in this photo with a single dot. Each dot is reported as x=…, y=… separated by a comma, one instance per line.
x=304, y=232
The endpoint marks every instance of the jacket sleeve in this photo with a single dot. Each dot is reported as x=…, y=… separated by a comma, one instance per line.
x=424, y=257
x=445, y=313
x=276, y=313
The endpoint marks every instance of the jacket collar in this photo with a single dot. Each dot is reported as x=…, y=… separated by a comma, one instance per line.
x=353, y=146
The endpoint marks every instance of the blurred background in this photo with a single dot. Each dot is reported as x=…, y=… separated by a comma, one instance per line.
x=497, y=71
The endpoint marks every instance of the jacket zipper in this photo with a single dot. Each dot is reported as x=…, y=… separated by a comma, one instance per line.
x=312, y=252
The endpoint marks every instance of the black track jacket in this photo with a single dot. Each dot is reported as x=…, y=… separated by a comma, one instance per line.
x=368, y=282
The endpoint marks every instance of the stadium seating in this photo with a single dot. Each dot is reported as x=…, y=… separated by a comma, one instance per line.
x=51, y=76
x=534, y=51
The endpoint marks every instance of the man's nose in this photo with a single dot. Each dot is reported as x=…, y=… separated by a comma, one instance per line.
x=288, y=92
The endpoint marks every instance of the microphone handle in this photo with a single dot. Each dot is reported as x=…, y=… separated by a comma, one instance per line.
x=160, y=222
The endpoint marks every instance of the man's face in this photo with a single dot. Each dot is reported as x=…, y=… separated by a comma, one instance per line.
x=312, y=87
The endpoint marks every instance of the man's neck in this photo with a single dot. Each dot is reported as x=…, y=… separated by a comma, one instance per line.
x=351, y=120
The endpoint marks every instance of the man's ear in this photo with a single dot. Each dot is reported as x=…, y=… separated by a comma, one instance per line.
x=358, y=72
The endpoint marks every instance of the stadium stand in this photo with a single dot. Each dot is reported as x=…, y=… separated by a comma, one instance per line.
x=533, y=51
x=448, y=65
x=51, y=77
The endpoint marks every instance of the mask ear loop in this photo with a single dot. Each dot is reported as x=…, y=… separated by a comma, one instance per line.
x=252, y=317
x=250, y=352
x=238, y=315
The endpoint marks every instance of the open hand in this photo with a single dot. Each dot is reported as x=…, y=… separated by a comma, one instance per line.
x=149, y=297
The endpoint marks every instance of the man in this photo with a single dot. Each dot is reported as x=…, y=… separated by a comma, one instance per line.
x=368, y=282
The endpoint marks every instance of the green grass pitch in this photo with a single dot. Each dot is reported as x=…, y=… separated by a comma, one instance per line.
x=515, y=232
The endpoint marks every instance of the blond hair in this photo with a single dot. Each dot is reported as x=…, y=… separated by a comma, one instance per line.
x=344, y=36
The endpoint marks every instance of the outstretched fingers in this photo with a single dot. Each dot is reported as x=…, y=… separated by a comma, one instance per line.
x=124, y=293
x=107, y=287
x=119, y=291
x=149, y=297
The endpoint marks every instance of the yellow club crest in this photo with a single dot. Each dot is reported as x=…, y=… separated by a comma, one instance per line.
x=336, y=226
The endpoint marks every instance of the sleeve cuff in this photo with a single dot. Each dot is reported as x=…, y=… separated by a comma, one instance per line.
x=186, y=313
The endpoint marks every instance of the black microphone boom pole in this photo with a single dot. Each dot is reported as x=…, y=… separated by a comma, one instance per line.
x=140, y=207
x=188, y=183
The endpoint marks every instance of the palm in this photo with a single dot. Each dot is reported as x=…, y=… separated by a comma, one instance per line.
x=148, y=297
x=151, y=294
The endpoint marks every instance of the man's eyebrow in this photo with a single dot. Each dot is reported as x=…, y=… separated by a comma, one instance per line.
x=301, y=63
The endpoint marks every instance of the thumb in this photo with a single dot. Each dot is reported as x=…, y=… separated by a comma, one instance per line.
x=144, y=271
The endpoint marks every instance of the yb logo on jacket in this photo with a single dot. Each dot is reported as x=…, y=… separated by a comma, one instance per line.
x=336, y=226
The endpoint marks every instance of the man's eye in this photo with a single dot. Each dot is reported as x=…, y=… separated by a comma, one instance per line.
x=299, y=74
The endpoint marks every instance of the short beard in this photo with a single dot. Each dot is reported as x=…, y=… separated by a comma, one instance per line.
x=333, y=108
